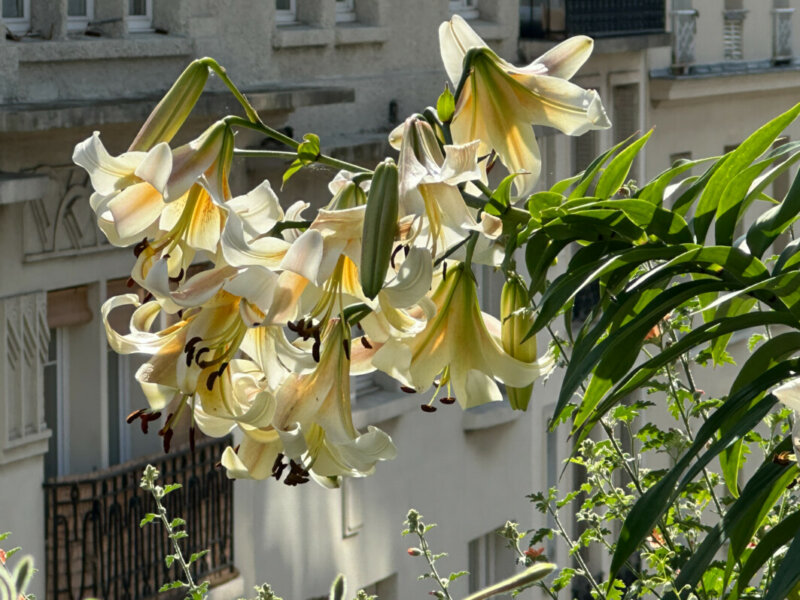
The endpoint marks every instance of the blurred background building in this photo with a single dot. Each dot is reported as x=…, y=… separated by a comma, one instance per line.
x=705, y=74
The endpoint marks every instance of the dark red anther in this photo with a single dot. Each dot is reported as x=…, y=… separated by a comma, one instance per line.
x=135, y=415
x=394, y=253
x=200, y=352
x=278, y=466
x=163, y=430
x=191, y=439
x=346, y=344
x=447, y=400
x=408, y=390
x=427, y=408
x=365, y=343
x=211, y=379
x=315, y=351
x=167, y=439
x=130, y=283
x=406, y=250
x=139, y=248
x=178, y=277
x=148, y=296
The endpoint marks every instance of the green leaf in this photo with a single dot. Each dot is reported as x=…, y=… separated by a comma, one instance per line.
x=309, y=150
x=4, y=535
x=780, y=535
x=540, y=253
x=654, y=191
x=775, y=221
x=788, y=575
x=338, y=588
x=617, y=353
x=736, y=161
x=171, y=586
x=23, y=573
x=454, y=576
x=540, y=202
x=643, y=373
x=178, y=535
x=177, y=522
x=587, y=177
x=764, y=358
x=171, y=487
x=617, y=171
x=197, y=556
x=296, y=165
x=147, y=519
x=169, y=559
x=563, y=185
x=500, y=200
x=790, y=257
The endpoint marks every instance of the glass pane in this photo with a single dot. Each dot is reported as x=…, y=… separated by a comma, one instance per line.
x=13, y=9
x=283, y=4
x=51, y=418
x=137, y=8
x=76, y=8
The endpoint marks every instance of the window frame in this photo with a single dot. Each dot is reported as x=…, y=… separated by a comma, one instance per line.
x=60, y=429
x=80, y=22
x=286, y=16
x=19, y=25
x=345, y=11
x=141, y=23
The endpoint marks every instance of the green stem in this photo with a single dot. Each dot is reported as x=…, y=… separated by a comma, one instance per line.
x=423, y=545
x=265, y=154
x=282, y=225
x=220, y=71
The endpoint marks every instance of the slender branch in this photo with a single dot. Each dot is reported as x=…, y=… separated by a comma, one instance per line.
x=220, y=71
x=244, y=153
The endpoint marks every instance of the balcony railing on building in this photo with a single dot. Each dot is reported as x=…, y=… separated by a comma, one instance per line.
x=557, y=19
x=96, y=548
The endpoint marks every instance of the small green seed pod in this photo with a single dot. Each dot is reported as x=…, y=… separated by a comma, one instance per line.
x=380, y=226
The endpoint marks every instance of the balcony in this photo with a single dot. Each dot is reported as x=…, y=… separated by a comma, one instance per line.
x=95, y=547
x=558, y=19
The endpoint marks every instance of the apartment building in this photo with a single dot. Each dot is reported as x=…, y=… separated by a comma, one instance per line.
x=705, y=74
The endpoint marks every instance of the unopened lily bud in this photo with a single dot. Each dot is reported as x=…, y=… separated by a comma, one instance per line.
x=380, y=225
x=349, y=196
x=517, y=319
x=170, y=114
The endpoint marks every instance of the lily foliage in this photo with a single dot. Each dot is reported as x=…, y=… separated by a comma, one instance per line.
x=272, y=311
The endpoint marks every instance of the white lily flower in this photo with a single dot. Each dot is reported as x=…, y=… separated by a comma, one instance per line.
x=131, y=189
x=499, y=102
x=458, y=345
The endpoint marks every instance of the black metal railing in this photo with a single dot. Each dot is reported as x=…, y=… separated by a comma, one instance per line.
x=556, y=19
x=95, y=547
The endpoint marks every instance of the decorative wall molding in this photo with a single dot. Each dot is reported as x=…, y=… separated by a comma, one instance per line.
x=61, y=222
x=24, y=339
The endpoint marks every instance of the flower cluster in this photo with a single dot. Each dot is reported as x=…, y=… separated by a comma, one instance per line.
x=270, y=314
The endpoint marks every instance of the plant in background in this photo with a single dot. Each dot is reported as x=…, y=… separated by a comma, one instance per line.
x=14, y=582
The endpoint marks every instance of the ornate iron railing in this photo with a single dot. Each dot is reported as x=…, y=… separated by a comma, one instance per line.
x=598, y=18
x=95, y=547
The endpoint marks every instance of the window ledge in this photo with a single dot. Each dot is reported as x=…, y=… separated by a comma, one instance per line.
x=142, y=45
x=15, y=187
x=28, y=447
x=382, y=405
x=358, y=33
x=489, y=415
x=301, y=36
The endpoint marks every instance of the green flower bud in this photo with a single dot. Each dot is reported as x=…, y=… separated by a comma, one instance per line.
x=170, y=114
x=350, y=196
x=517, y=319
x=380, y=226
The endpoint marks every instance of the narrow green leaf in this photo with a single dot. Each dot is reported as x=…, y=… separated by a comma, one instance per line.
x=197, y=556
x=296, y=165
x=563, y=185
x=171, y=586
x=23, y=573
x=169, y=559
x=790, y=257
x=593, y=169
x=780, y=535
x=169, y=488
x=177, y=522
x=788, y=575
x=737, y=160
x=654, y=191
x=765, y=357
x=338, y=588
x=617, y=171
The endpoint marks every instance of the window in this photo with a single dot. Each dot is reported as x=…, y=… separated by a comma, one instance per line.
x=56, y=462
x=732, y=34
x=17, y=15
x=286, y=12
x=79, y=13
x=490, y=561
x=466, y=8
x=345, y=11
x=140, y=15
